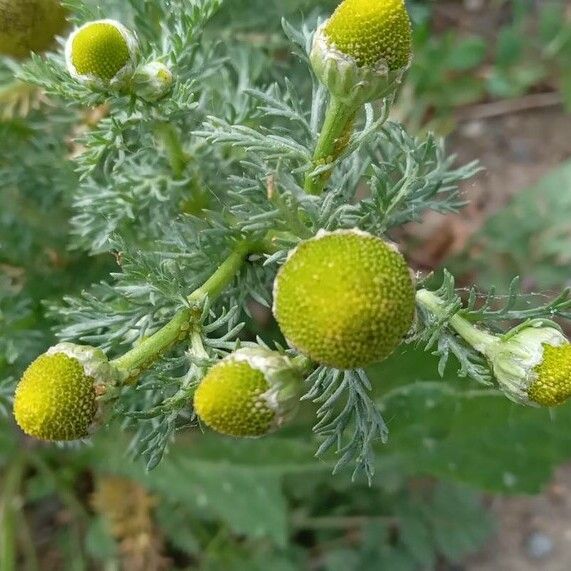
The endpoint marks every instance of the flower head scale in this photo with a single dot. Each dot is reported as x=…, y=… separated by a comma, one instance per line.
x=56, y=398
x=250, y=393
x=532, y=364
x=344, y=299
x=102, y=53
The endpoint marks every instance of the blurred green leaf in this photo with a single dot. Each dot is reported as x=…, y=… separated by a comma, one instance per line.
x=457, y=431
x=468, y=54
x=530, y=237
x=460, y=523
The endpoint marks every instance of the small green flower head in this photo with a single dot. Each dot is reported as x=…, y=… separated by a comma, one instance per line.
x=362, y=52
x=56, y=398
x=344, y=299
x=152, y=81
x=250, y=393
x=371, y=31
x=533, y=365
x=29, y=26
x=102, y=53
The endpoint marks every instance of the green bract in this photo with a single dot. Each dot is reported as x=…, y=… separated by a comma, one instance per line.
x=344, y=299
x=250, y=393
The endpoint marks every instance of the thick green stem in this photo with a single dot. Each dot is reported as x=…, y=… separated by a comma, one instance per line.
x=132, y=363
x=332, y=141
x=480, y=340
x=170, y=138
x=225, y=273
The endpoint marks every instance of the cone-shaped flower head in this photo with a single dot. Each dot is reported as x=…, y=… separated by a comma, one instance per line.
x=362, y=51
x=152, y=81
x=371, y=31
x=29, y=26
x=250, y=393
x=102, y=53
x=56, y=398
x=345, y=299
x=533, y=365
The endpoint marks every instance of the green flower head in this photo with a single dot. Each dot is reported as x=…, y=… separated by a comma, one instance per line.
x=345, y=299
x=102, y=53
x=250, y=393
x=56, y=398
x=533, y=365
x=371, y=31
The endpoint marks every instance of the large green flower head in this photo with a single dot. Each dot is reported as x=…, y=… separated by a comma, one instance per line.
x=362, y=51
x=102, y=53
x=29, y=26
x=532, y=364
x=344, y=299
x=56, y=398
x=250, y=393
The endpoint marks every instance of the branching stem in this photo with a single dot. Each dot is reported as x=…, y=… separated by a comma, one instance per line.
x=132, y=363
x=332, y=141
x=477, y=338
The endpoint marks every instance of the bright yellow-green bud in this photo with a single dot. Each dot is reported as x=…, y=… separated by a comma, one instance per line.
x=29, y=26
x=532, y=364
x=372, y=30
x=102, y=53
x=56, y=398
x=250, y=393
x=345, y=299
x=152, y=81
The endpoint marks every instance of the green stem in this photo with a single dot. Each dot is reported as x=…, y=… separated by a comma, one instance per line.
x=332, y=141
x=132, y=363
x=303, y=364
x=8, y=514
x=225, y=273
x=480, y=340
x=170, y=138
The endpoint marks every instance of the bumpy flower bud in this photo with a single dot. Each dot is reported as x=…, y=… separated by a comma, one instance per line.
x=102, y=53
x=363, y=50
x=533, y=365
x=152, y=81
x=29, y=26
x=56, y=398
x=250, y=393
x=345, y=299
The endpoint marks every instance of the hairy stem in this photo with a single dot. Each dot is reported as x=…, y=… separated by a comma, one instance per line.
x=170, y=138
x=132, y=363
x=477, y=338
x=332, y=141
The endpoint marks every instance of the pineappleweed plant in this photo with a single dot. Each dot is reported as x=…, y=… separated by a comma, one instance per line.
x=218, y=185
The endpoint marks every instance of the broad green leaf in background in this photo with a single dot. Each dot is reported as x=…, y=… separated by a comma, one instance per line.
x=459, y=431
x=238, y=482
x=530, y=237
